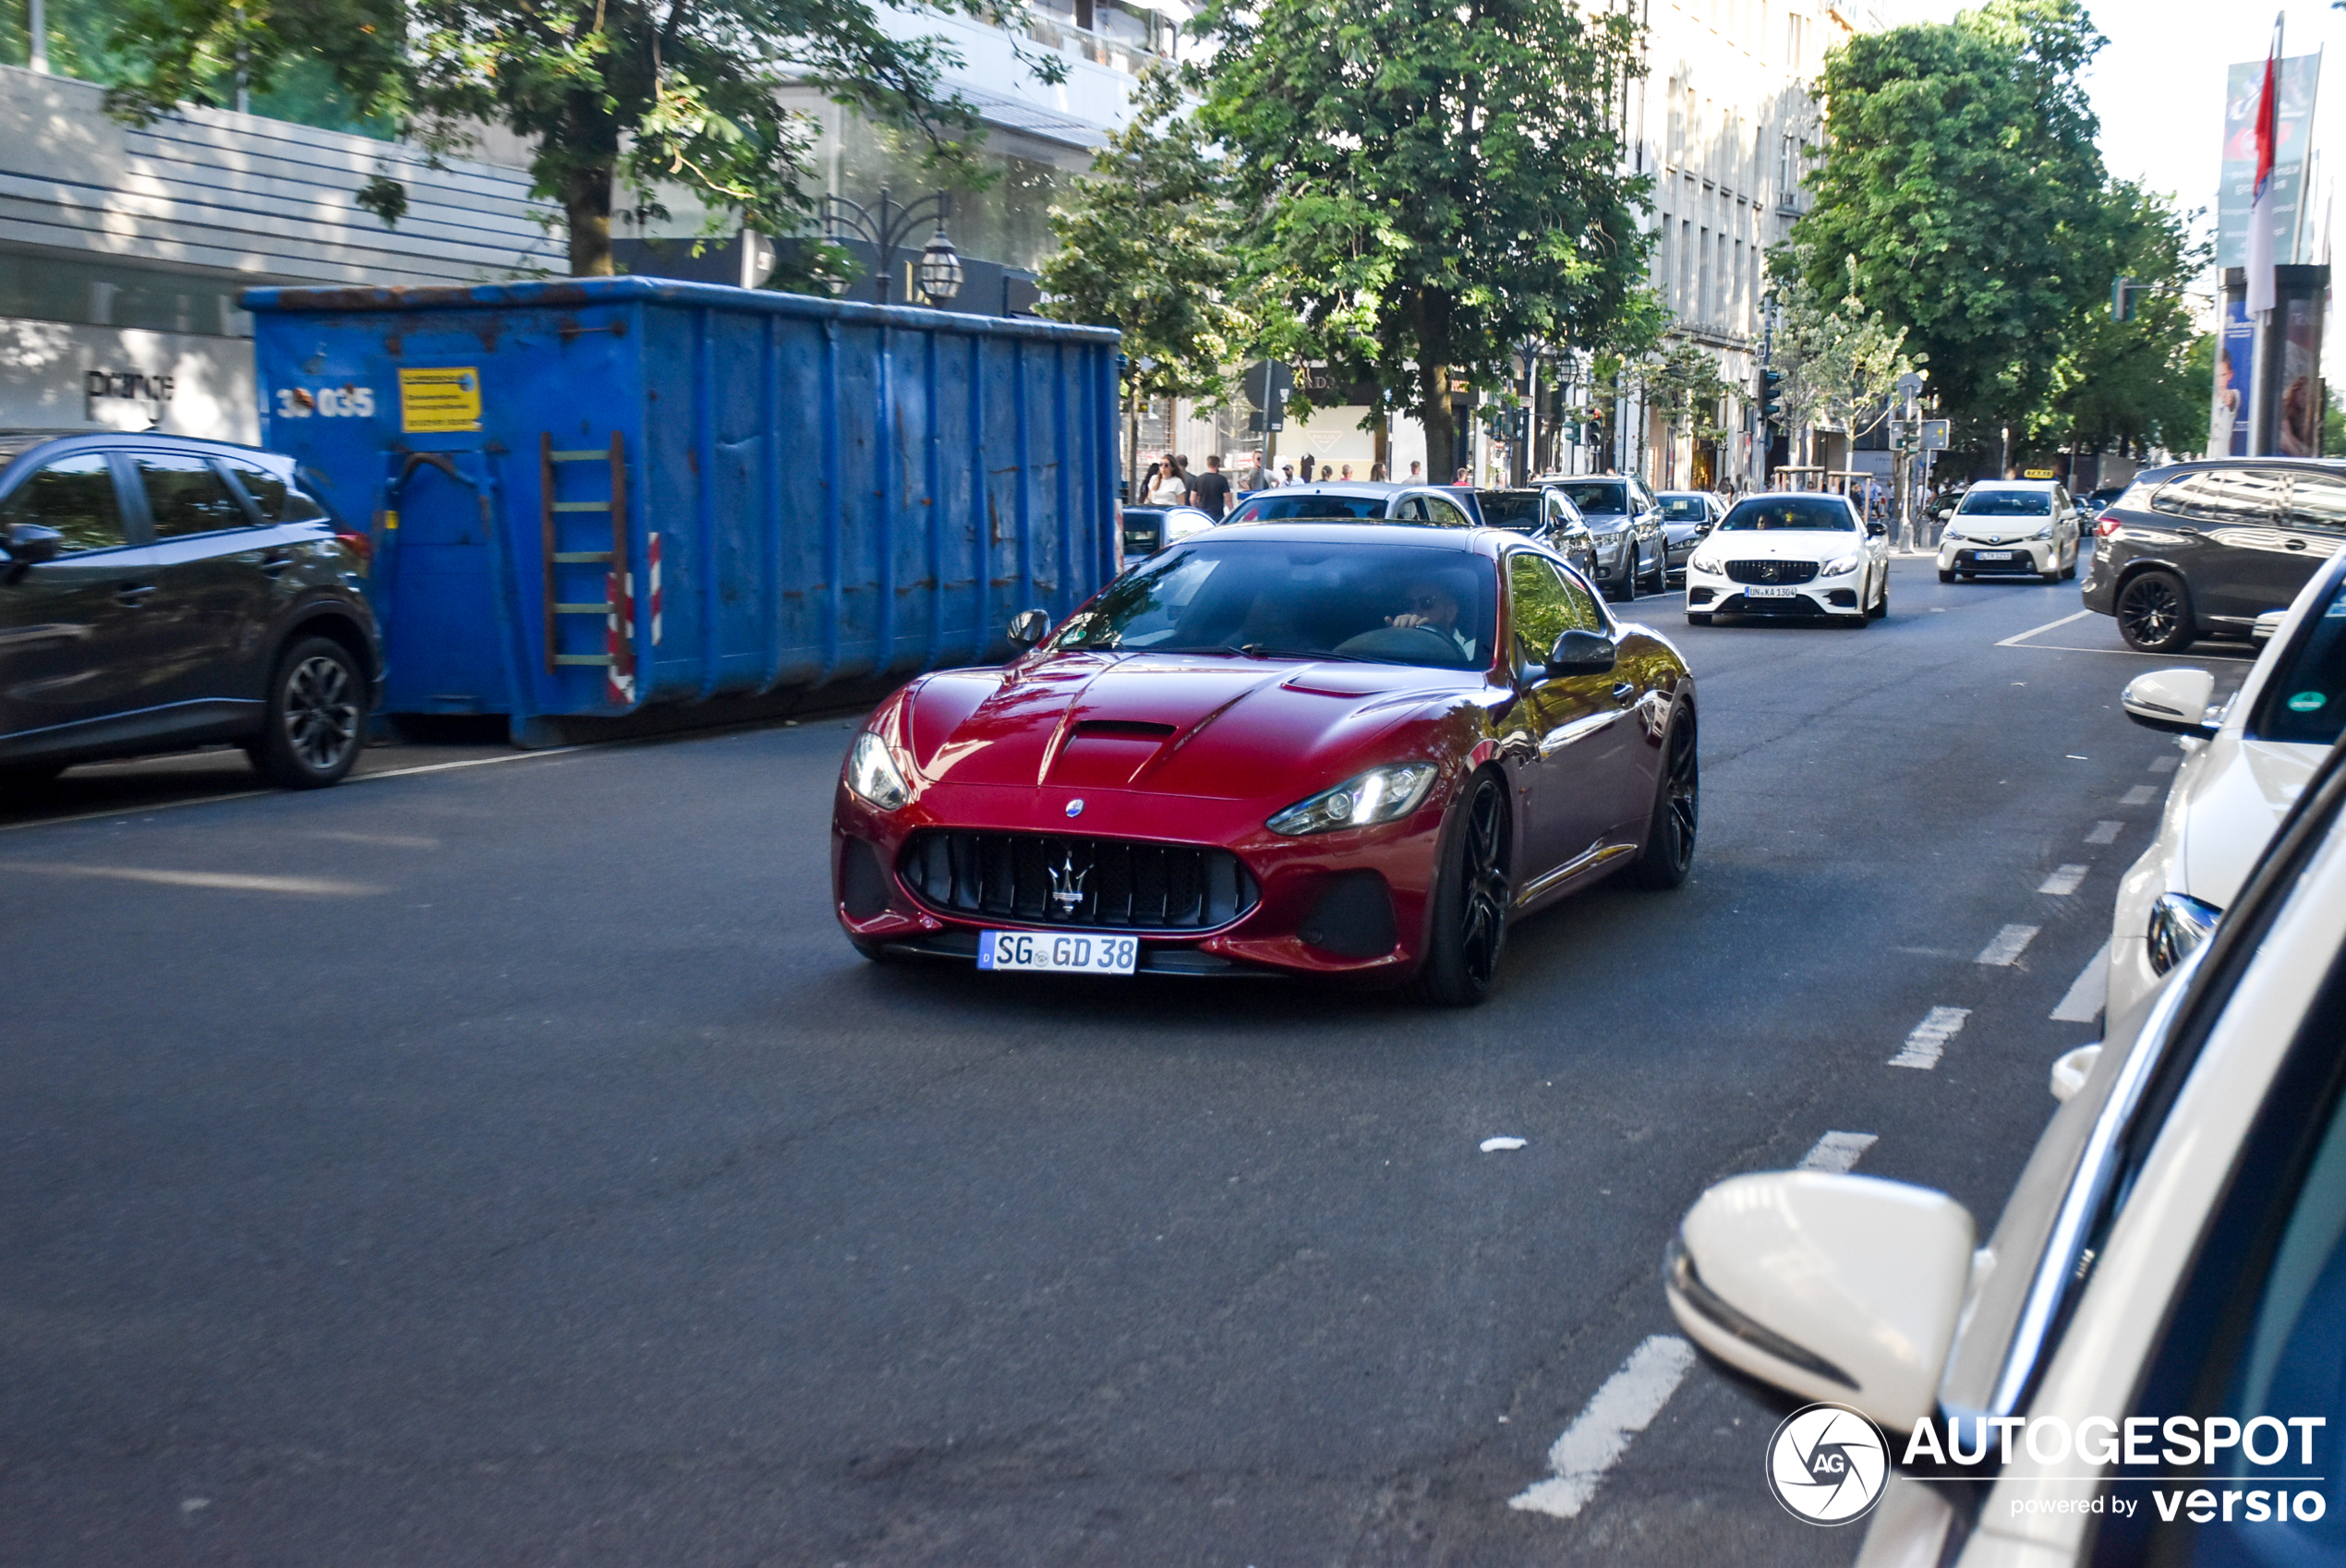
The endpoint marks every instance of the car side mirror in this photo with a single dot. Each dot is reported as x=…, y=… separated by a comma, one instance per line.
x=1947, y=515
x=1877, y=530
x=1029, y=627
x=2267, y=625
x=1839, y=1288
x=2174, y=701
x=1581, y=653
x=27, y=546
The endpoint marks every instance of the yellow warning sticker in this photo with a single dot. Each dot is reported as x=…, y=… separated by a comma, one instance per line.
x=439, y=401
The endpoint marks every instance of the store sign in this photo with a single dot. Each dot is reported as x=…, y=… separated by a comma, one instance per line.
x=136, y=384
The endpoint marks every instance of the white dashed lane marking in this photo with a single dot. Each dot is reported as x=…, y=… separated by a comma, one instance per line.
x=2005, y=948
x=2140, y=795
x=2164, y=764
x=2063, y=882
x=2082, y=1003
x=1601, y=1433
x=1837, y=1150
x=1928, y=1040
x=2104, y=833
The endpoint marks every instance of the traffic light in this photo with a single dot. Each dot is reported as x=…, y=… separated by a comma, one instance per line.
x=2121, y=298
x=1771, y=396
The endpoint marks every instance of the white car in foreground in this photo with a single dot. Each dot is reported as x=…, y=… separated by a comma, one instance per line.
x=2008, y=528
x=2147, y=1362
x=2230, y=791
x=1791, y=552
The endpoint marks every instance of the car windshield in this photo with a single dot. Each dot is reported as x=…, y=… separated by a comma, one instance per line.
x=1790, y=511
x=1684, y=509
x=1597, y=495
x=2305, y=700
x=1390, y=604
x=1517, y=510
x=1278, y=508
x=2006, y=503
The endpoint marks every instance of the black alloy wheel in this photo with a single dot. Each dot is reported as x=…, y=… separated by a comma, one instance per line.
x=1677, y=810
x=1629, y=590
x=315, y=719
x=2154, y=613
x=1880, y=610
x=1471, y=900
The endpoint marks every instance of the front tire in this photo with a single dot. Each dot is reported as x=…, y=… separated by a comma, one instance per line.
x=2154, y=613
x=316, y=717
x=1880, y=610
x=1677, y=802
x=1693, y=619
x=1946, y=576
x=1470, y=900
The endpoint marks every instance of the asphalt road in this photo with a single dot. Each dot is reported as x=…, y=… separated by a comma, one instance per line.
x=510, y=1164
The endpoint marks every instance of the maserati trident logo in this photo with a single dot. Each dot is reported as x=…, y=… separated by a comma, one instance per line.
x=1067, y=883
x=1075, y=807
x=1827, y=1463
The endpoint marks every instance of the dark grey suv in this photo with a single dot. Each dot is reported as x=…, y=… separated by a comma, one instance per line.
x=158, y=593
x=2204, y=548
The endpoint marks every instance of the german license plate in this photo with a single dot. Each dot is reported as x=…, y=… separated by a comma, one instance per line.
x=1063, y=952
x=1992, y=555
x=1771, y=593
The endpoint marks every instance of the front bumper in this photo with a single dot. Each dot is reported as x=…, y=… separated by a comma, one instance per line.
x=1322, y=899
x=2021, y=558
x=1713, y=593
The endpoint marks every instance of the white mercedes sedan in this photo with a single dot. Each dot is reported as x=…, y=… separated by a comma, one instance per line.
x=2230, y=791
x=1791, y=554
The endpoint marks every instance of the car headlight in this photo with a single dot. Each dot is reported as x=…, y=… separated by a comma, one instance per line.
x=1381, y=794
x=2043, y=533
x=1839, y=568
x=1702, y=560
x=2179, y=923
x=872, y=773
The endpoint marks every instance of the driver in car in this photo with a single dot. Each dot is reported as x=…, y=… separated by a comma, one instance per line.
x=1431, y=607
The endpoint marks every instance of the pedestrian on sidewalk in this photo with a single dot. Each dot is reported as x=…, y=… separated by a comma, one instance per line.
x=1170, y=489
x=1211, y=493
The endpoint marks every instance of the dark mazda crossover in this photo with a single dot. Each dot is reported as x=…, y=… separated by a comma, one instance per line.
x=159, y=593
x=2203, y=548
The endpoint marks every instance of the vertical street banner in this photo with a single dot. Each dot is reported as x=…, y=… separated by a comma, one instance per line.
x=2300, y=76
x=2235, y=359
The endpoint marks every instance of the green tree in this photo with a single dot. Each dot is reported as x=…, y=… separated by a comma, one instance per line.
x=1841, y=362
x=1684, y=386
x=2129, y=386
x=637, y=94
x=1146, y=245
x=1961, y=177
x=1428, y=185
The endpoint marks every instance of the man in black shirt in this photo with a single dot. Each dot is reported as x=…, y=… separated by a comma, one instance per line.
x=1210, y=491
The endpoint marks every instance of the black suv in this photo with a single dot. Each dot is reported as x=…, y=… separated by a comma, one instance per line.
x=2202, y=549
x=158, y=593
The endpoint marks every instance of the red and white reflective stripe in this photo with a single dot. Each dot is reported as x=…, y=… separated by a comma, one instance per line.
x=653, y=556
x=619, y=634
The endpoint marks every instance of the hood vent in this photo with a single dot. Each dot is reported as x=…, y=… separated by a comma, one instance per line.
x=1120, y=730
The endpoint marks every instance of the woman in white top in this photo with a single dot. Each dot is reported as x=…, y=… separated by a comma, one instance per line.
x=1170, y=488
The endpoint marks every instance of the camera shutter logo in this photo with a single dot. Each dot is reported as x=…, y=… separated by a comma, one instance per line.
x=1827, y=1465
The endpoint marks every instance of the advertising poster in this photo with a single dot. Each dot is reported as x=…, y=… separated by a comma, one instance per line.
x=2300, y=75
x=2236, y=359
x=2298, y=429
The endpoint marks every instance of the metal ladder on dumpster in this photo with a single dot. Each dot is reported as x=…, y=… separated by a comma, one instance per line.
x=616, y=606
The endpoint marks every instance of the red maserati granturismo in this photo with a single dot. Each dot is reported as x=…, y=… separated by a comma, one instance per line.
x=1341, y=749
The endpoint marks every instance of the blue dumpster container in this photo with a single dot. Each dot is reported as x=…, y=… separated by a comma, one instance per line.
x=595, y=495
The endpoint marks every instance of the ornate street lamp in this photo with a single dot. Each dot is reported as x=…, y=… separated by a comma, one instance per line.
x=938, y=275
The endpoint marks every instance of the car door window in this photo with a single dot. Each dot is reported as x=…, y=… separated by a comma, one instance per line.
x=1542, y=611
x=1580, y=609
x=75, y=497
x=185, y=495
x=2317, y=504
x=1411, y=509
x=278, y=498
x=2250, y=496
x=1446, y=514
x=2304, y=698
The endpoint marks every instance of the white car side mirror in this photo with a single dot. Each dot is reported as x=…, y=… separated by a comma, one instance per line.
x=1841, y=1287
x=2171, y=701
